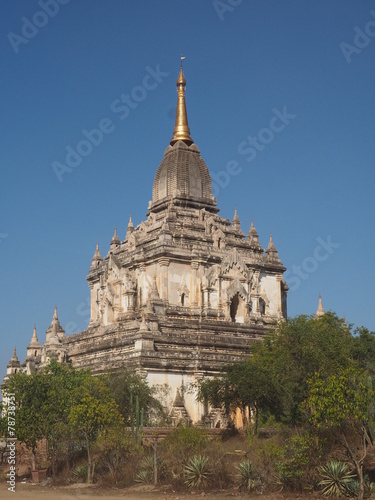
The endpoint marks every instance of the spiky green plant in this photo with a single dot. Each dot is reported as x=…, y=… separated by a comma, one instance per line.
x=144, y=476
x=79, y=473
x=336, y=478
x=146, y=473
x=353, y=488
x=197, y=472
x=249, y=480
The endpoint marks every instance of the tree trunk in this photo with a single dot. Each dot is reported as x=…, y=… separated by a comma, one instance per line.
x=256, y=421
x=359, y=469
x=245, y=422
x=358, y=464
x=33, y=458
x=88, y=460
x=155, y=445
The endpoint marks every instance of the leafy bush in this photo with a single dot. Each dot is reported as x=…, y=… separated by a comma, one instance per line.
x=197, y=472
x=113, y=448
x=184, y=442
x=296, y=461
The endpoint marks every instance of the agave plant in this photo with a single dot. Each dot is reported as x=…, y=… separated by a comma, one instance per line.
x=79, y=473
x=337, y=478
x=197, y=472
x=248, y=478
x=144, y=476
x=353, y=488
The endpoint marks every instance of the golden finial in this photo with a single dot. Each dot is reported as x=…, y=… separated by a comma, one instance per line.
x=181, y=130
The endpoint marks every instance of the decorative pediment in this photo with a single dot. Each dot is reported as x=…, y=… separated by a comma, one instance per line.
x=183, y=289
x=129, y=282
x=219, y=239
x=151, y=218
x=212, y=275
x=132, y=241
x=234, y=260
x=142, y=228
x=236, y=287
x=263, y=296
x=114, y=268
x=213, y=224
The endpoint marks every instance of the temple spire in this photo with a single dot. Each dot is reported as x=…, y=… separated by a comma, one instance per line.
x=320, y=311
x=34, y=339
x=130, y=227
x=271, y=252
x=236, y=225
x=181, y=130
x=115, y=239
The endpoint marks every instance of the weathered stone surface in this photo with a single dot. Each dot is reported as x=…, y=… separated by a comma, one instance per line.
x=182, y=295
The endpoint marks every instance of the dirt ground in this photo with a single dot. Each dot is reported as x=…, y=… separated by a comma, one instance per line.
x=29, y=491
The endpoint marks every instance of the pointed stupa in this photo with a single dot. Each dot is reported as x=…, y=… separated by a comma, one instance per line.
x=182, y=174
x=34, y=343
x=97, y=258
x=14, y=364
x=115, y=239
x=271, y=252
x=143, y=326
x=178, y=400
x=14, y=361
x=178, y=413
x=130, y=227
x=55, y=329
x=181, y=130
x=236, y=225
x=253, y=237
x=344, y=325
x=320, y=311
x=34, y=348
x=149, y=309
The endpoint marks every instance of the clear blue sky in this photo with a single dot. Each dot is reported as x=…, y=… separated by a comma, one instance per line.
x=309, y=181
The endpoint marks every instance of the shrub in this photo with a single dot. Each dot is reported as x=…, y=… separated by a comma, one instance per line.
x=249, y=479
x=79, y=473
x=184, y=442
x=337, y=479
x=353, y=488
x=113, y=448
x=197, y=472
x=296, y=461
x=146, y=474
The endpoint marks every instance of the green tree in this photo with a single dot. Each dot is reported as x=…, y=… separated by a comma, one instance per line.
x=244, y=385
x=113, y=448
x=30, y=401
x=344, y=403
x=3, y=422
x=124, y=386
x=93, y=409
x=62, y=404
x=273, y=381
x=364, y=349
x=62, y=382
x=295, y=351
